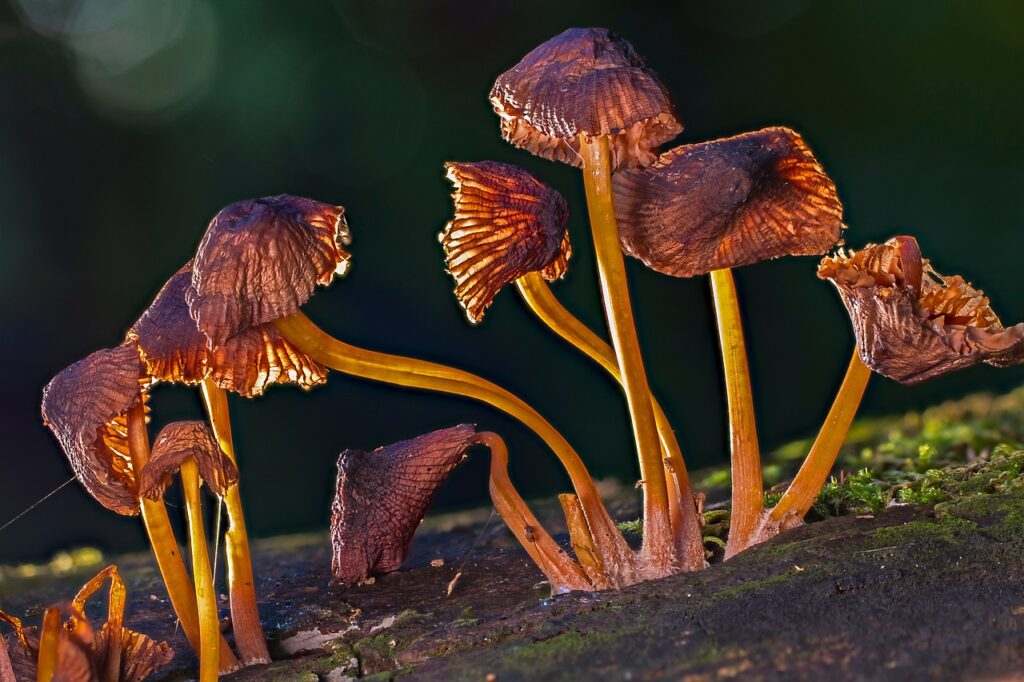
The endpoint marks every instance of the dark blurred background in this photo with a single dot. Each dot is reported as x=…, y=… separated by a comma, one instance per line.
x=126, y=124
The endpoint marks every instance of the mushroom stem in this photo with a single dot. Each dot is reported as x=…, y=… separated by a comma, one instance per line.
x=687, y=531
x=562, y=572
x=245, y=616
x=301, y=332
x=49, y=637
x=658, y=547
x=165, y=546
x=800, y=495
x=580, y=537
x=206, y=598
x=115, y=617
x=747, y=487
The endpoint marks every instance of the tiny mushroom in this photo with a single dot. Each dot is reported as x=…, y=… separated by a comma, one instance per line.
x=706, y=208
x=190, y=448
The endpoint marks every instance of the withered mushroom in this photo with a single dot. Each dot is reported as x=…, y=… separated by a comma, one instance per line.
x=6, y=670
x=260, y=260
x=189, y=448
x=511, y=227
x=96, y=410
x=586, y=98
x=709, y=207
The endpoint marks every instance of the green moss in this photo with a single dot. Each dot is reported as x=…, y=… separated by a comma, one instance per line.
x=571, y=645
x=756, y=585
x=635, y=527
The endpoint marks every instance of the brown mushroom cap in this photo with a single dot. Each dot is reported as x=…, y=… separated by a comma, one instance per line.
x=383, y=495
x=141, y=655
x=912, y=323
x=260, y=260
x=589, y=81
x=174, y=349
x=726, y=203
x=85, y=406
x=175, y=444
x=507, y=223
x=76, y=648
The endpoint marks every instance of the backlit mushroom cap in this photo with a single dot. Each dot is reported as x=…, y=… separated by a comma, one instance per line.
x=178, y=442
x=260, y=260
x=507, y=223
x=590, y=81
x=912, y=323
x=726, y=203
x=85, y=406
x=383, y=495
x=174, y=349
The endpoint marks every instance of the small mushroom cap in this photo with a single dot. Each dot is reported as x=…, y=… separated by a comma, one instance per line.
x=85, y=406
x=174, y=350
x=383, y=495
x=507, y=223
x=260, y=260
x=912, y=323
x=178, y=442
x=589, y=81
x=726, y=203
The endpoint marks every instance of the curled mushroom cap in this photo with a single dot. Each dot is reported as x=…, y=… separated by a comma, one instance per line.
x=383, y=495
x=912, y=323
x=507, y=223
x=726, y=203
x=85, y=406
x=260, y=260
x=174, y=350
x=589, y=81
x=178, y=442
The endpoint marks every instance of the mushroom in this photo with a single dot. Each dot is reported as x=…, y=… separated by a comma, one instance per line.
x=174, y=350
x=96, y=410
x=189, y=448
x=383, y=495
x=709, y=207
x=511, y=227
x=74, y=651
x=260, y=260
x=586, y=98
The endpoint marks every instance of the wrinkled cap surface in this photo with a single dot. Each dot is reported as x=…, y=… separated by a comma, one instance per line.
x=726, y=203
x=589, y=81
x=85, y=406
x=178, y=442
x=174, y=350
x=383, y=495
x=507, y=223
x=260, y=260
x=912, y=323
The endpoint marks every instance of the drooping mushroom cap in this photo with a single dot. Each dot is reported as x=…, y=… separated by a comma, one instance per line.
x=383, y=495
x=589, y=81
x=912, y=323
x=726, y=203
x=174, y=350
x=85, y=406
x=178, y=442
x=260, y=260
x=507, y=223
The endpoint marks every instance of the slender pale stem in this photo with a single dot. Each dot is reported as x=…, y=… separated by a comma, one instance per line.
x=179, y=585
x=802, y=492
x=245, y=615
x=49, y=641
x=206, y=597
x=403, y=371
x=659, y=545
x=747, y=487
x=542, y=301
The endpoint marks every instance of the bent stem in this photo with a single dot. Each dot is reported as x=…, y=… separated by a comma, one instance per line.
x=580, y=537
x=683, y=512
x=659, y=546
x=165, y=546
x=245, y=615
x=300, y=331
x=206, y=598
x=802, y=492
x=747, y=487
x=49, y=637
x=115, y=617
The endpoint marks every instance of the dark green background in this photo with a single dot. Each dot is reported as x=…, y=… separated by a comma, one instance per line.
x=110, y=168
